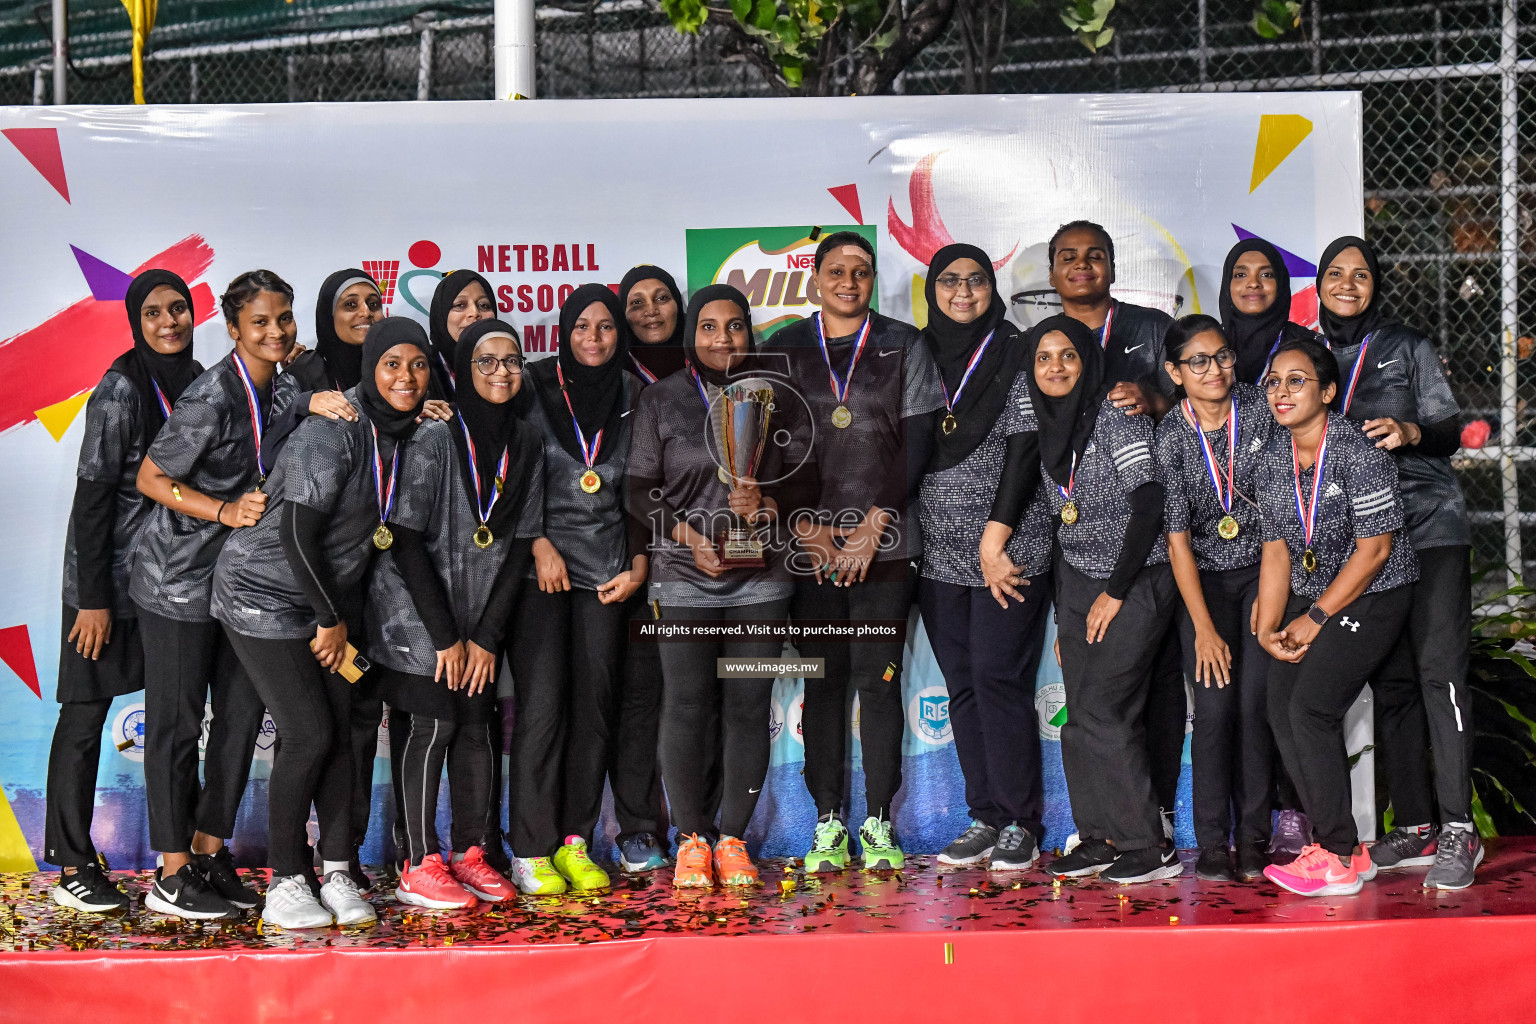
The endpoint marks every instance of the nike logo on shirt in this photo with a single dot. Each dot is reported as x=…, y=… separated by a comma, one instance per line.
x=888, y=352
x=1389, y=362
x=1132, y=348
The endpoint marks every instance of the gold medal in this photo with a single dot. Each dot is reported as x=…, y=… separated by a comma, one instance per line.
x=1227, y=528
x=382, y=538
x=1309, y=561
x=841, y=417
x=590, y=481
x=1069, y=513
x=950, y=423
x=483, y=537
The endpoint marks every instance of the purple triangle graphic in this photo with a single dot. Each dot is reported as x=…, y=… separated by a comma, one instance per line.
x=1293, y=263
x=108, y=284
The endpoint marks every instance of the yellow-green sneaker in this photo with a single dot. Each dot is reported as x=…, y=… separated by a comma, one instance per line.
x=829, y=848
x=881, y=851
x=536, y=876
x=571, y=860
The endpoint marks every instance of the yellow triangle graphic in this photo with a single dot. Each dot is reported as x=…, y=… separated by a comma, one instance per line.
x=1279, y=135
x=919, y=302
x=60, y=415
x=14, y=852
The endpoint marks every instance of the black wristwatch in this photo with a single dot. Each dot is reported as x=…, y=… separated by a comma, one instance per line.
x=1317, y=615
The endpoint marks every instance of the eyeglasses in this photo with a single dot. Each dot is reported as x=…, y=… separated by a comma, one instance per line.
x=976, y=281
x=487, y=364
x=1200, y=362
x=1293, y=383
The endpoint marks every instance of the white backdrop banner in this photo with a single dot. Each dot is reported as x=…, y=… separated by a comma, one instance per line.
x=541, y=197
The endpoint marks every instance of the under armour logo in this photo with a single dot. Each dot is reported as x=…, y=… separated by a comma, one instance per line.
x=1354, y=627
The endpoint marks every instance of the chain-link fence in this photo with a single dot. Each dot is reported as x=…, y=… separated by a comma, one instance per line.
x=1450, y=164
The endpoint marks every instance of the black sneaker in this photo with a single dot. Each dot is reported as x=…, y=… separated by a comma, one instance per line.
x=1015, y=850
x=972, y=847
x=1215, y=865
x=357, y=874
x=1252, y=859
x=1144, y=866
x=219, y=869
x=1405, y=848
x=1089, y=857
x=187, y=894
x=90, y=891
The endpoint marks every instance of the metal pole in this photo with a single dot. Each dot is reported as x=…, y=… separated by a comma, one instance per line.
x=1205, y=54
x=60, y=51
x=1509, y=259
x=515, y=56
x=39, y=93
x=424, y=68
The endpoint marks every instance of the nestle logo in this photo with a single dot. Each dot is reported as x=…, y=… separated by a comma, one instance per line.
x=801, y=262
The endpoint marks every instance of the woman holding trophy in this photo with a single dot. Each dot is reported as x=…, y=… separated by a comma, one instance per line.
x=719, y=448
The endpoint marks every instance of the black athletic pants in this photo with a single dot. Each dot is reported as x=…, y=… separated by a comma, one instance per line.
x=1167, y=714
x=365, y=714
x=1231, y=747
x=186, y=666
x=1308, y=700
x=73, y=762
x=312, y=763
x=694, y=699
x=1425, y=678
x=1104, y=743
x=638, y=803
x=469, y=748
x=989, y=657
x=874, y=671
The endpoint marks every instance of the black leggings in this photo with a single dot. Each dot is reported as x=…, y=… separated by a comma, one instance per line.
x=694, y=696
x=874, y=671
x=424, y=744
x=186, y=666
x=1308, y=700
x=312, y=761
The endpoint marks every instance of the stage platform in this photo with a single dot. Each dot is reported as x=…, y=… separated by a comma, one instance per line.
x=918, y=945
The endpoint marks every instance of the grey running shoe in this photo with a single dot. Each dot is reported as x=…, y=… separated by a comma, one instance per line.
x=1016, y=849
x=1457, y=856
x=972, y=847
x=1404, y=848
x=1293, y=831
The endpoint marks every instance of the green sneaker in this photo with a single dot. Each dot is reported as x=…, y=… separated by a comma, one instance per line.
x=572, y=862
x=880, y=850
x=829, y=848
x=536, y=876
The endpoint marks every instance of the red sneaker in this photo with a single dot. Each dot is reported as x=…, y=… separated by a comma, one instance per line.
x=692, y=868
x=732, y=865
x=474, y=874
x=429, y=884
x=1316, y=873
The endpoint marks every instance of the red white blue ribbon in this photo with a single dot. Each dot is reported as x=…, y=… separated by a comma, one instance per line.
x=1109, y=321
x=481, y=505
x=258, y=426
x=951, y=400
x=698, y=382
x=588, y=452
x=385, y=495
x=1269, y=359
x=1066, y=492
x=165, y=407
x=840, y=385
x=1308, y=515
x=1223, y=494
x=448, y=374
x=1354, y=374
x=643, y=370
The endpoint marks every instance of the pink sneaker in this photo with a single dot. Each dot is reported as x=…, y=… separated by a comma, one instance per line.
x=429, y=884
x=474, y=874
x=1317, y=873
x=1361, y=861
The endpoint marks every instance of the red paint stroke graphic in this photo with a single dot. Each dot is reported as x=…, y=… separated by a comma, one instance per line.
x=67, y=353
x=848, y=195
x=16, y=651
x=927, y=235
x=1304, y=307
x=41, y=148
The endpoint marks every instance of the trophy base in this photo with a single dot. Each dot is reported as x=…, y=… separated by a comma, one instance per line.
x=741, y=553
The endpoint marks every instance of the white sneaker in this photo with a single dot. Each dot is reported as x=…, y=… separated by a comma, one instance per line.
x=341, y=897
x=290, y=904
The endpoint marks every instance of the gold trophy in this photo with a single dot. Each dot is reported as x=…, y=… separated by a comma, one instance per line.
x=742, y=428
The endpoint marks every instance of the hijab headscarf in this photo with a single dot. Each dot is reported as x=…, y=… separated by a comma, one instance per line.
x=383, y=336
x=1066, y=423
x=143, y=366
x=664, y=357
x=448, y=289
x=1343, y=331
x=494, y=428
x=343, y=362
x=596, y=393
x=739, y=367
x=1253, y=335
x=953, y=344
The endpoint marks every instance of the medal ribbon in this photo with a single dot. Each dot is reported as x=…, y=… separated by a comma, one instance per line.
x=840, y=387
x=949, y=401
x=640, y=368
x=386, y=496
x=1269, y=359
x=1066, y=492
x=442, y=364
x=258, y=428
x=1308, y=515
x=165, y=407
x=1109, y=320
x=1223, y=494
x=699, y=383
x=481, y=505
x=1354, y=374
x=588, y=452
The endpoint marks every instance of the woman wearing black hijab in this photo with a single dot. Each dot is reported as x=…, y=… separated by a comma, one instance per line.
x=1255, y=306
x=987, y=648
x=439, y=606
x=289, y=592
x=1395, y=386
x=1115, y=597
x=589, y=574
x=461, y=298
x=653, y=315
x=101, y=657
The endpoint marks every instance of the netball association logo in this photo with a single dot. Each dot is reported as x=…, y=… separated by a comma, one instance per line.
x=128, y=732
x=928, y=715
x=1051, y=709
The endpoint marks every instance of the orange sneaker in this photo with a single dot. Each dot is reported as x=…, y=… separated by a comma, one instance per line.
x=692, y=869
x=1361, y=862
x=732, y=865
x=1316, y=873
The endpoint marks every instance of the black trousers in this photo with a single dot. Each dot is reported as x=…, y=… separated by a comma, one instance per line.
x=1422, y=700
x=365, y=714
x=1104, y=743
x=638, y=803
x=1308, y=700
x=312, y=761
x=694, y=699
x=469, y=749
x=1167, y=714
x=73, y=761
x=1232, y=750
x=873, y=670
x=989, y=657
x=186, y=665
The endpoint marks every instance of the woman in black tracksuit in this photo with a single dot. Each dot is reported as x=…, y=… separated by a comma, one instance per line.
x=101, y=656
